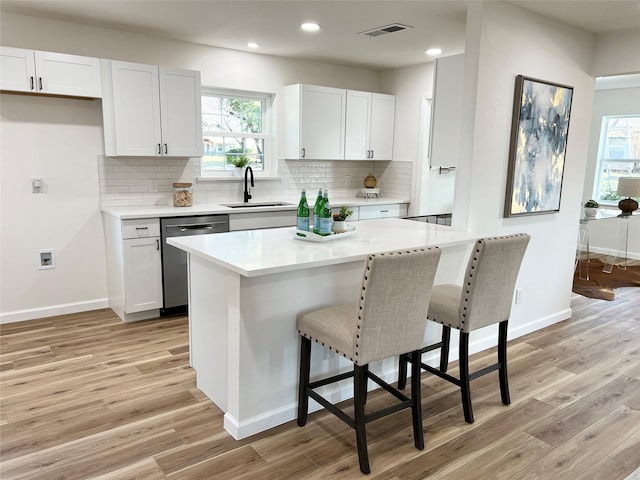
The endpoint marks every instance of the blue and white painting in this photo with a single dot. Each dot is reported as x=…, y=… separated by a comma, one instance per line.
x=538, y=147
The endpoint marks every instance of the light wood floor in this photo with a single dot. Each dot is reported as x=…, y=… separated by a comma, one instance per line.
x=85, y=396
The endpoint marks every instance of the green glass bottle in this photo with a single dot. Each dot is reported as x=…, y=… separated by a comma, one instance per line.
x=303, y=212
x=325, y=215
x=316, y=212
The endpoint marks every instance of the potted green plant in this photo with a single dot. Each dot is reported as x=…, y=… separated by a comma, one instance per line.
x=591, y=208
x=339, y=224
x=239, y=162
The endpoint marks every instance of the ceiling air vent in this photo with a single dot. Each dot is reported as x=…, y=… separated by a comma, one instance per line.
x=376, y=32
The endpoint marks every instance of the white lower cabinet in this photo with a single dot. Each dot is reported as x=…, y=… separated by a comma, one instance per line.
x=368, y=212
x=134, y=266
x=142, y=270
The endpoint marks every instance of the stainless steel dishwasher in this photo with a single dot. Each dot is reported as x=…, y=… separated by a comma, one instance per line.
x=174, y=260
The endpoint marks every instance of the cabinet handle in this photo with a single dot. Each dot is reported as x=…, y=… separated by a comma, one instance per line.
x=157, y=244
x=371, y=154
x=384, y=211
x=303, y=153
x=40, y=81
x=159, y=149
x=32, y=85
x=165, y=149
x=142, y=228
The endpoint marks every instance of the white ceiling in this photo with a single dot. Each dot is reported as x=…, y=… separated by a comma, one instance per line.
x=274, y=25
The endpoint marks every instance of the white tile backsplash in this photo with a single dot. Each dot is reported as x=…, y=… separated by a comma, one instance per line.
x=147, y=181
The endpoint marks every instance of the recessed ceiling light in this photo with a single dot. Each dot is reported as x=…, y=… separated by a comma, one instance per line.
x=310, y=27
x=434, y=51
x=252, y=45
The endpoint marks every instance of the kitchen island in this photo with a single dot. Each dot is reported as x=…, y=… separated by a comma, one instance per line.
x=245, y=290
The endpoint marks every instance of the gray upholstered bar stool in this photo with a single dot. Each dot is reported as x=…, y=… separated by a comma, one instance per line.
x=483, y=299
x=388, y=320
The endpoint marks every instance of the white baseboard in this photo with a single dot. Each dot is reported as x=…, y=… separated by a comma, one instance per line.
x=53, y=310
x=609, y=251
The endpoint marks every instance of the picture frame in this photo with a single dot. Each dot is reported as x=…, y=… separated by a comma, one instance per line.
x=539, y=133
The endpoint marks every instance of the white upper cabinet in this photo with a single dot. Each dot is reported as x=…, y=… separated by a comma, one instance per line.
x=151, y=111
x=370, y=123
x=49, y=73
x=314, y=122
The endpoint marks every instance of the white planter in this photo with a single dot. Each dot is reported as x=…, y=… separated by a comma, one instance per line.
x=590, y=211
x=339, y=226
x=237, y=172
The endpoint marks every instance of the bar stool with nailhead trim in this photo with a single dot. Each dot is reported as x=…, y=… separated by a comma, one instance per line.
x=389, y=320
x=484, y=300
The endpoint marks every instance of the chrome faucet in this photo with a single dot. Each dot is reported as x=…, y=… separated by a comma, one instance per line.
x=247, y=190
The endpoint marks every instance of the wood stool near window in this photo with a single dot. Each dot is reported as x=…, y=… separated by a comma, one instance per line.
x=484, y=299
x=388, y=320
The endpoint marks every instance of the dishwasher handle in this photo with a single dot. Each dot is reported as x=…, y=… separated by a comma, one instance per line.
x=193, y=227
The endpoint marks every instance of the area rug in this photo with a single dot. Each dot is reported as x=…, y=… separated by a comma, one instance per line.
x=601, y=285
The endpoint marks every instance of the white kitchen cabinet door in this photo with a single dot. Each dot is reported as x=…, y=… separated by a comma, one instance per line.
x=142, y=274
x=18, y=70
x=383, y=112
x=151, y=111
x=358, y=122
x=370, y=123
x=314, y=122
x=181, y=112
x=50, y=73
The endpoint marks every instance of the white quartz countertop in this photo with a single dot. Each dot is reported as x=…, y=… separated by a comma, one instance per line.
x=261, y=252
x=153, y=211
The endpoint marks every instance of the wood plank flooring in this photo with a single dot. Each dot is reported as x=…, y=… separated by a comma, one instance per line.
x=86, y=397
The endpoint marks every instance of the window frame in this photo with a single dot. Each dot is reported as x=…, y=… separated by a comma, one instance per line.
x=602, y=161
x=270, y=164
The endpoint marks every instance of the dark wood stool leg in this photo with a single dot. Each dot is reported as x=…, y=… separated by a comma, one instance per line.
x=402, y=371
x=502, y=360
x=465, y=389
x=444, y=350
x=366, y=383
x=416, y=397
x=359, y=389
x=305, y=366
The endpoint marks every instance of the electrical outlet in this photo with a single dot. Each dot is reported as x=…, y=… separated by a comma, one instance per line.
x=519, y=295
x=36, y=185
x=153, y=186
x=347, y=180
x=46, y=259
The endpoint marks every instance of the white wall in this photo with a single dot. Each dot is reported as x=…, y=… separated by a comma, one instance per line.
x=510, y=41
x=616, y=53
x=605, y=235
x=57, y=140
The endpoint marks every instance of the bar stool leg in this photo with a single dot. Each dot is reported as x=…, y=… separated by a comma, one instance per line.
x=465, y=389
x=359, y=392
x=402, y=371
x=444, y=350
x=305, y=366
x=502, y=360
x=416, y=408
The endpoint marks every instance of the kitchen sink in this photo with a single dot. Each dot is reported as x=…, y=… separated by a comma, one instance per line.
x=256, y=204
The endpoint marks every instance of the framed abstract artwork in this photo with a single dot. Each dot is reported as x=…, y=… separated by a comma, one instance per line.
x=539, y=129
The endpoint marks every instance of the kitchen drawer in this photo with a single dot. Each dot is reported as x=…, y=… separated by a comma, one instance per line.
x=257, y=220
x=368, y=212
x=142, y=227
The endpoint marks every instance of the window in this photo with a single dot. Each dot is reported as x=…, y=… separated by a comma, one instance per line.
x=235, y=127
x=618, y=156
